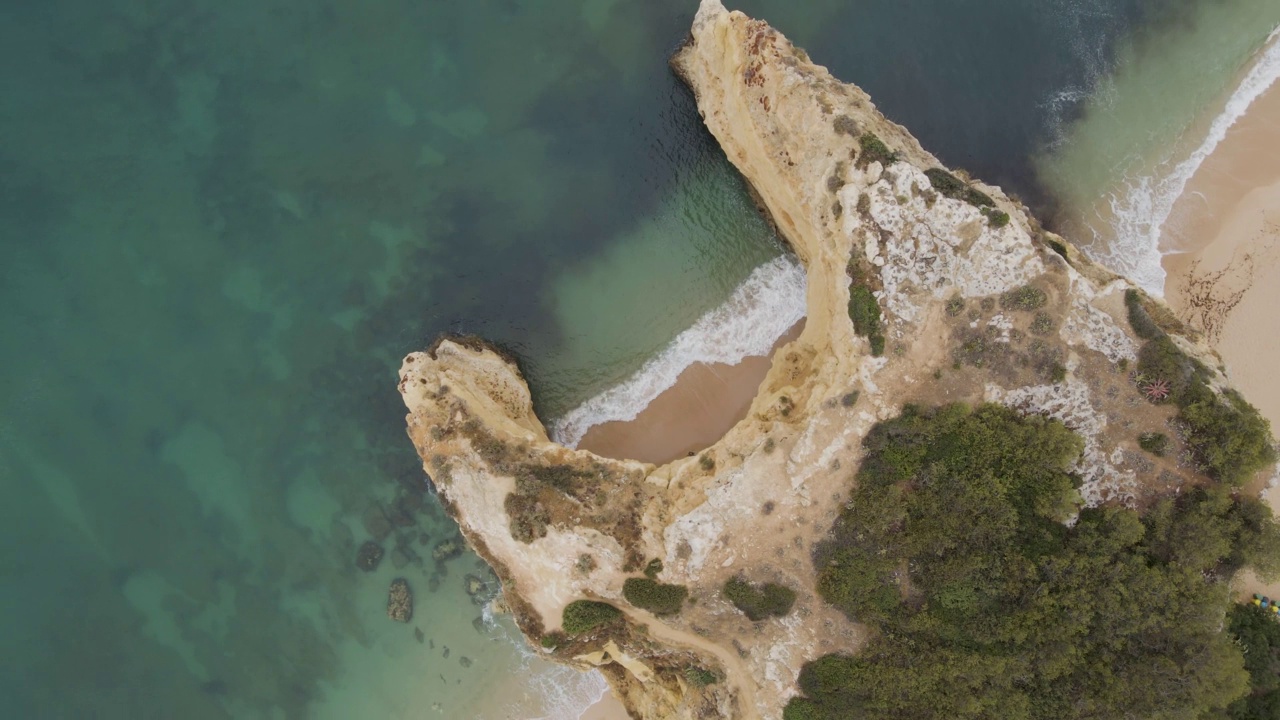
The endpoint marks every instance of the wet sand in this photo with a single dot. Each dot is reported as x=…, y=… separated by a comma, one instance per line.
x=1227, y=224
x=704, y=404
x=609, y=708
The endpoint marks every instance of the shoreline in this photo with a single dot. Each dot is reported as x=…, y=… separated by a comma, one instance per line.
x=704, y=403
x=1222, y=259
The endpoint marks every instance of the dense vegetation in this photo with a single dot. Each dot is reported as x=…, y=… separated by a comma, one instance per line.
x=865, y=313
x=1226, y=435
x=1258, y=634
x=986, y=604
x=580, y=616
x=759, y=602
x=957, y=189
x=658, y=598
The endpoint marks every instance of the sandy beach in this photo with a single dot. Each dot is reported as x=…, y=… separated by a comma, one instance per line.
x=705, y=403
x=609, y=708
x=1225, y=275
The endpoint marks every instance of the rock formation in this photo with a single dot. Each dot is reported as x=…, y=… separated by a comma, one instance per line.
x=369, y=556
x=978, y=303
x=400, y=601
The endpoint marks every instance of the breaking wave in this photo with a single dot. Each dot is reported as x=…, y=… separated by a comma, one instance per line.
x=1141, y=206
x=761, y=310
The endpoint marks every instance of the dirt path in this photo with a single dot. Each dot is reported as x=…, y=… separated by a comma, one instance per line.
x=738, y=678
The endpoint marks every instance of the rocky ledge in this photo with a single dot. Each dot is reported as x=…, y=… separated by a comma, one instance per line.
x=924, y=287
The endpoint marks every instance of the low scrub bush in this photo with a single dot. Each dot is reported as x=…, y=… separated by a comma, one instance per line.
x=957, y=189
x=865, y=313
x=1139, y=319
x=1026, y=298
x=759, y=602
x=580, y=616
x=1227, y=436
x=1154, y=443
x=700, y=677
x=995, y=218
x=1042, y=324
x=658, y=598
x=874, y=150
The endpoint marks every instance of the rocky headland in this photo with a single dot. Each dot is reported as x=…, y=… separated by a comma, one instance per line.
x=925, y=287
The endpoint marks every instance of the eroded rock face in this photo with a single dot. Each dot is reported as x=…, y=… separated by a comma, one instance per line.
x=949, y=275
x=400, y=601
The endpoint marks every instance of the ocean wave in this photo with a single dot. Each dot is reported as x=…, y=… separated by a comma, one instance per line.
x=761, y=310
x=561, y=692
x=1143, y=205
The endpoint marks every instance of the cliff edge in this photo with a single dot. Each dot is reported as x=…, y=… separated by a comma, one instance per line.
x=925, y=287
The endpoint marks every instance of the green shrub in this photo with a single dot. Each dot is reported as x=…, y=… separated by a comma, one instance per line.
x=1027, y=298
x=956, y=189
x=955, y=306
x=1258, y=633
x=845, y=125
x=865, y=313
x=1228, y=437
x=700, y=677
x=850, y=398
x=658, y=598
x=759, y=602
x=653, y=568
x=1139, y=319
x=580, y=616
x=982, y=603
x=553, y=640
x=1043, y=324
x=995, y=218
x=1154, y=443
x=1057, y=372
x=874, y=150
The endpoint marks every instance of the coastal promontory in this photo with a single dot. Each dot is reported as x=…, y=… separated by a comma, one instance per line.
x=987, y=474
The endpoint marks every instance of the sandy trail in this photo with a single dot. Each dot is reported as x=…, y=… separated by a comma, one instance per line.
x=735, y=671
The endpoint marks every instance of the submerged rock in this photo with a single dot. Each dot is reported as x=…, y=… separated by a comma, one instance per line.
x=446, y=550
x=375, y=523
x=475, y=585
x=400, y=601
x=369, y=556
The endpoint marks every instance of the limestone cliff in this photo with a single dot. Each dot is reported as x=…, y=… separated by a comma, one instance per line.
x=862, y=204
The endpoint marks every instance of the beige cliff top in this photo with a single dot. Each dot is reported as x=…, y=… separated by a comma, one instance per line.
x=560, y=525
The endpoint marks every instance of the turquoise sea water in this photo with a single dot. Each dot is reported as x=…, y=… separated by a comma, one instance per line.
x=223, y=223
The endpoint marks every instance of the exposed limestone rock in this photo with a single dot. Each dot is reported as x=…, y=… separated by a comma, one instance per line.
x=400, y=601
x=938, y=267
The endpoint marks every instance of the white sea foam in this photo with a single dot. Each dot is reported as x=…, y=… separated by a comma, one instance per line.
x=761, y=310
x=561, y=692
x=1143, y=205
